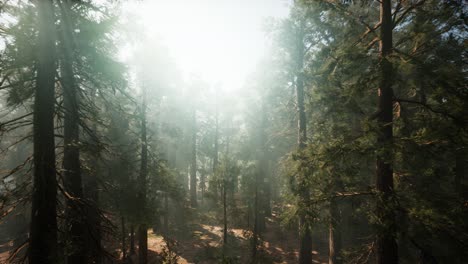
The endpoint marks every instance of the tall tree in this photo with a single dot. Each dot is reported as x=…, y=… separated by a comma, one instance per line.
x=142, y=182
x=71, y=154
x=193, y=164
x=387, y=250
x=214, y=185
x=43, y=231
x=305, y=251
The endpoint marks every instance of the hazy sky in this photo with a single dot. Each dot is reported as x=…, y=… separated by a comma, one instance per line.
x=221, y=40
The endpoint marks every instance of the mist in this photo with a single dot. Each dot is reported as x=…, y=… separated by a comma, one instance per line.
x=262, y=131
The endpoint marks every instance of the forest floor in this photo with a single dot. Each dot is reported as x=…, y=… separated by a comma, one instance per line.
x=202, y=243
x=205, y=245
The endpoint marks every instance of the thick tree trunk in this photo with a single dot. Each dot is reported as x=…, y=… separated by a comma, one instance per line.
x=71, y=153
x=460, y=173
x=142, y=228
x=132, y=240
x=193, y=166
x=305, y=251
x=43, y=229
x=124, y=236
x=387, y=249
x=335, y=224
x=93, y=232
x=334, y=238
x=142, y=244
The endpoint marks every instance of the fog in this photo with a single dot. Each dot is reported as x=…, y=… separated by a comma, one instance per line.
x=261, y=131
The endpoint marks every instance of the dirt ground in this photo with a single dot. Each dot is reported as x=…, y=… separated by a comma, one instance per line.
x=205, y=246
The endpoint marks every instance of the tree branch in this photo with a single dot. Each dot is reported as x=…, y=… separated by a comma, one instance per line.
x=430, y=108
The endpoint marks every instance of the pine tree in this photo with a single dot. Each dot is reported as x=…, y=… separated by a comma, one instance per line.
x=142, y=182
x=43, y=233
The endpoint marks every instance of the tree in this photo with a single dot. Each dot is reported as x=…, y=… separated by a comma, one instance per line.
x=142, y=182
x=43, y=232
x=299, y=51
x=71, y=155
x=387, y=250
x=193, y=165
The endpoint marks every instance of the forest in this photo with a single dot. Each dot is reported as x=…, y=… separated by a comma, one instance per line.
x=235, y=132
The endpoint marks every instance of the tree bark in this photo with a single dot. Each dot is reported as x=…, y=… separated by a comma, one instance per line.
x=43, y=229
x=460, y=173
x=214, y=188
x=334, y=238
x=305, y=251
x=387, y=249
x=124, y=236
x=224, y=214
x=166, y=213
x=202, y=185
x=132, y=240
x=142, y=228
x=268, y=182
x=261, y=186
x=91, y=187
x=335, y=224
x=193, y=166
x=71, y=153
x=255, y=227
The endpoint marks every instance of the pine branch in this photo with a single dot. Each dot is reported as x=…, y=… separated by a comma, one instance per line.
x=430, y=108
x=409, y=9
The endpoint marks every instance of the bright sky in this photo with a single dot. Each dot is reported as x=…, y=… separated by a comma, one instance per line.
x=221, y=40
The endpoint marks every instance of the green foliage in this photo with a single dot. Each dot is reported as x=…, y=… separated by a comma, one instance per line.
x=333, y=47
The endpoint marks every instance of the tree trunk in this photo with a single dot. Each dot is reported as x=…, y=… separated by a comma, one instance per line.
x=202, y=185
x=193, y=166
x=94, y=222
x=142, y=244
x=142, y=228
x=71, y=153
x=263, y=164
x=335, y=224
x=305, y=252
x=132, y=240
x=43, y=229
x=214, y=188
x=225, y=182
x=124, y=235
x=305, y=236
x=334, y=233
x=387, y=250
x=224, y=214
x=460, y=173
x=268, y=179
x=259, y=199
x=166, y=213
x=93, y=233
x=256, y=218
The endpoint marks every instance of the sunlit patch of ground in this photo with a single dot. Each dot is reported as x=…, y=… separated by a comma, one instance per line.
x=3, y=257
x=205, y=242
